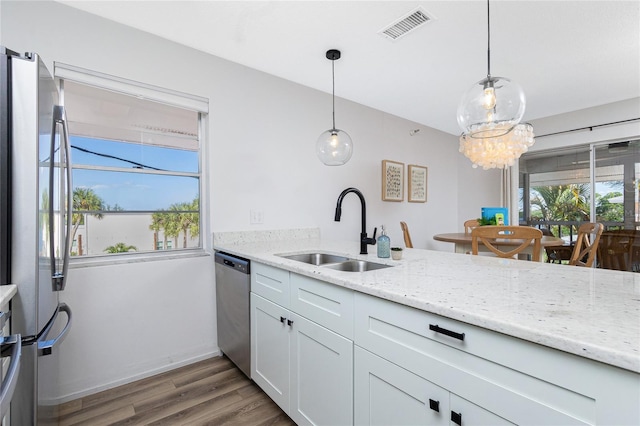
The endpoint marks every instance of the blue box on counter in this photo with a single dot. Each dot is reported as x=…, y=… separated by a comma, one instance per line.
x=500, y=214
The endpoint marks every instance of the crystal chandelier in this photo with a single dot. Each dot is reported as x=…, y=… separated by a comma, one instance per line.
x=489, y=115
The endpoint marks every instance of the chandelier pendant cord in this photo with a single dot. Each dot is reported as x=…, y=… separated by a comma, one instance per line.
x=333, y=91
x=488, y=43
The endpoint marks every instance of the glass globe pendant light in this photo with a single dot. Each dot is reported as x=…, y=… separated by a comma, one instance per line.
x=334, y=147
x=494, y=105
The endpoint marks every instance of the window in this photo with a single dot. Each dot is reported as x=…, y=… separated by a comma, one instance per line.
x=136, y=165
x=560, y=189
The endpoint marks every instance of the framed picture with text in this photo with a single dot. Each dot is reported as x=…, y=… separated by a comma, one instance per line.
x=417, y=177
x=392, y=181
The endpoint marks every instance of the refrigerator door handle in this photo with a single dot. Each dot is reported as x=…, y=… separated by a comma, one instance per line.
x=10, y=346
x=45, y=346
x=69, y=199
x=58, y=278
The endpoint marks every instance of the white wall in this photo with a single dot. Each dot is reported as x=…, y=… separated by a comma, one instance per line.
x=260, y=155
x=609, y=113
x=477, y=188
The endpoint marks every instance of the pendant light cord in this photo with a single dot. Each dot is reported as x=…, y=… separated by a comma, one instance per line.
x=488, y=42
x=333, y=91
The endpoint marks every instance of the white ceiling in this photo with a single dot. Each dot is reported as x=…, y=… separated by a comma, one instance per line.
x=567, y=55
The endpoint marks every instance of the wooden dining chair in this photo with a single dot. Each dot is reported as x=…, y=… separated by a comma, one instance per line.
x=616, y=249
x=470, y=224
x=405, y=233
x=584, y=247
x=488, y=235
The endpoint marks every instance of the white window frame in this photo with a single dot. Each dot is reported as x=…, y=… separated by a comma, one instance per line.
x=145, y=91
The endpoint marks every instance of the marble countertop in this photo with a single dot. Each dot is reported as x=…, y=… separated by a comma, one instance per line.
x=592, y=313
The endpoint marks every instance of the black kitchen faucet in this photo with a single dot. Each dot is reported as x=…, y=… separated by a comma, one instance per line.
x=364, y=240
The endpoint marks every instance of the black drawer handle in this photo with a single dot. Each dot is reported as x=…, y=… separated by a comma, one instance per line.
x=434, y=405
x=438, y=329
x=289, y=323
x=282, y=319
x=456, y=418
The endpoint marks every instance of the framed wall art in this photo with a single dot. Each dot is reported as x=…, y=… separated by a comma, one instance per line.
x=417, y=184
x=392, y=181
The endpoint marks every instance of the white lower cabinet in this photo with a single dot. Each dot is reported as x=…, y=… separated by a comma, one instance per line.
x=331, y=356
x=321, y=375
x=386, y=394
x=305, y=368
x=270, y=349
x=492, y=378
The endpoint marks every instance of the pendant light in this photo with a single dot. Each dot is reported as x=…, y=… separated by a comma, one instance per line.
x=334, y=147
x=489, y=114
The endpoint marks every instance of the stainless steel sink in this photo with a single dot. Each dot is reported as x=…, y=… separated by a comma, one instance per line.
x=332, y=261
x=316, y=258
x=357, y=266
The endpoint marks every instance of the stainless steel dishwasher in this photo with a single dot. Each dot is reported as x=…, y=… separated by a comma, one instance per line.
x=233, y=282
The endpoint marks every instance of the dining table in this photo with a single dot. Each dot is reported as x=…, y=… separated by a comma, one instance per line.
x=462, y=243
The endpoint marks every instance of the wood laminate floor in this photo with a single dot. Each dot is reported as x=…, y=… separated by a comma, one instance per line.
x=210, y=392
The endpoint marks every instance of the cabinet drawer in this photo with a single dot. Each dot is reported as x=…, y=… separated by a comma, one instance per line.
x=472, y=367
x=270, y=283
x=326, y=304
x=381, y=320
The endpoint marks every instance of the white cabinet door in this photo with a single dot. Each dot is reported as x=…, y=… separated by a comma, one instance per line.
x=270, y=349
x=321, y=375
x=386, y=394
x=466, y=413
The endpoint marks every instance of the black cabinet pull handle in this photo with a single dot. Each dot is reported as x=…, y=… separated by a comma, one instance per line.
x=434, y=405
x=282, y=319
x=456, y=418
x=289, y=322
x=438, y=329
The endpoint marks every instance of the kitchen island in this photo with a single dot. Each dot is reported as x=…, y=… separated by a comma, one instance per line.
x=576, y=315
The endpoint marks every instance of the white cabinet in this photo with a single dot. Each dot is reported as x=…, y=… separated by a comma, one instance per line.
x=386, y=394
x=270, y=349
x=492, y=378
x=303, y=365
x=321, y=375
x=464, y=412
x=331, y=356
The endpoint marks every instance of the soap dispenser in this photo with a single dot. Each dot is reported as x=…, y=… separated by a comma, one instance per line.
x=384, y=244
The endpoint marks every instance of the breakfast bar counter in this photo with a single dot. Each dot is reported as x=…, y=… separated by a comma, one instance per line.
x=592, y=313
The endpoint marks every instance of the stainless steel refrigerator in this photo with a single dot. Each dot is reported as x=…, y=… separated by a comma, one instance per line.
x=35, y=217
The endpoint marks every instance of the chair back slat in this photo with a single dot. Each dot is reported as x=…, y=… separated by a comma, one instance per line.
x=490, y=236
x=584, y=247
x=470, y=224
x=405, y=233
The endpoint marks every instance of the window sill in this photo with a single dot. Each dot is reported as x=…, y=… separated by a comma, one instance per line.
x=80, y=262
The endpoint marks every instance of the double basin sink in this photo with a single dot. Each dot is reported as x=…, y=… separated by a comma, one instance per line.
x=340, y=263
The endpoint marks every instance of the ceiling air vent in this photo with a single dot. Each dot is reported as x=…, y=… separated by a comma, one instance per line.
x=406, y=24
